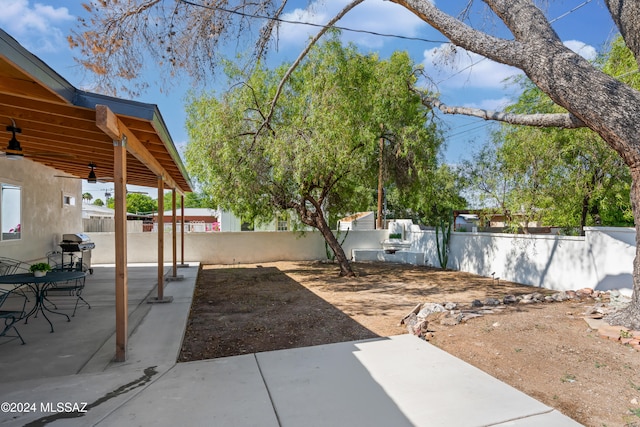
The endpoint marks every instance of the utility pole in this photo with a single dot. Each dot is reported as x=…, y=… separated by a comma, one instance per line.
x=380, y=178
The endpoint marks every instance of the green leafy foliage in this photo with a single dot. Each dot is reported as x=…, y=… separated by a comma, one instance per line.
x=443, y=240
x=191, y=200
x=137, y=203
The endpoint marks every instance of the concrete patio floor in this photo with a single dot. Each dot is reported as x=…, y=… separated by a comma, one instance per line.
x=392, y=381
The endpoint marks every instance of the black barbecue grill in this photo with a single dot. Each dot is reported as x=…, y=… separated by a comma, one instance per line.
x=72, y=245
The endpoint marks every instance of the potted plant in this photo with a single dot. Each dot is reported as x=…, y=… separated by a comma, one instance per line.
x=395, y=236
x=40, y=269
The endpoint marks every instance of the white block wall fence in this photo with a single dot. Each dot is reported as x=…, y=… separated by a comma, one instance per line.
x=602, y=259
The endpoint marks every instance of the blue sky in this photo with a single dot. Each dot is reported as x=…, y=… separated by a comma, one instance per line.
x=584, y=26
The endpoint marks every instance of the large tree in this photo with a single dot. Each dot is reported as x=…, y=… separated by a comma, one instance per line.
x=137, y=203
x=191, y=200
x=315, y=156
x=111, y=45
x=591, y=98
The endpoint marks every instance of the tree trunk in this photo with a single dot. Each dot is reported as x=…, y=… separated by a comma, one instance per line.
x=316, y=220
x=583, y=214
x=630, y=316
x=332, y=241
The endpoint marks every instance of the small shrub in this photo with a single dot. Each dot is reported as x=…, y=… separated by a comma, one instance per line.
x=40, y=266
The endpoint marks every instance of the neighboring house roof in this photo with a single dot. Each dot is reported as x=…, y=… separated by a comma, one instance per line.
x=356, y=216
x=89, y=211
x=359, y=221
x=469, y=217
x=57, y=118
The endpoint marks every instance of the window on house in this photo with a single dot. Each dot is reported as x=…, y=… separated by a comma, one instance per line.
x=10, y=212
x=68, y=200
x=283, y=224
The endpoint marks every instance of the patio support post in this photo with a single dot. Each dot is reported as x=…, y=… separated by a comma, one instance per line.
x=182, y=230
x=120, y=191
x=160, y=239
x=174, y=235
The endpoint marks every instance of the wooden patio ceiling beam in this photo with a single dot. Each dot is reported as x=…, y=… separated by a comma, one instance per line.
x=68, y=125
x=110, y=124
x=53, y=109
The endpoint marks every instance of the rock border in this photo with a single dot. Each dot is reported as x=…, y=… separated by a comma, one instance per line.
x=451, y=313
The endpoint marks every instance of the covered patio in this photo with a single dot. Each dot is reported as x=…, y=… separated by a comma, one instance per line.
x=85, y=344
x=89, y=136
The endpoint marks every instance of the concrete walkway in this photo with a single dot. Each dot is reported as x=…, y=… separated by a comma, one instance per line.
x=395, y=381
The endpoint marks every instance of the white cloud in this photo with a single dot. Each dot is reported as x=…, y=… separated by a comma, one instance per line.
x=497, y=104
x=586, y=51
x=455, y=67
x=37, y=27
x=377, y=16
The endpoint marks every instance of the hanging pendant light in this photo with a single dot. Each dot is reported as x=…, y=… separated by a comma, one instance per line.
x=13, y=150
x=92, y=178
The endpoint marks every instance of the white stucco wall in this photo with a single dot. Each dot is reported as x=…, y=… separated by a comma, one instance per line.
x=234, y=247
x=603, y=259
x=44, y=218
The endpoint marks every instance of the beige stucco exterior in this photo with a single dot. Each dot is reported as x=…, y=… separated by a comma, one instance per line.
x=44, y=216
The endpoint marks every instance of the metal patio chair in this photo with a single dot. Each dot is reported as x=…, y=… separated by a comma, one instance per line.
x=10, y=266
x=72, y=288
x=12, y=309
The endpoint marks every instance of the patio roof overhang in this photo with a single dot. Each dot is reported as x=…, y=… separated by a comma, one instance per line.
x=68, y=129
x=60, y=125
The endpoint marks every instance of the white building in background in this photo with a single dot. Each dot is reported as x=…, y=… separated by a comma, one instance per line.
x=466, y=222
x=94, y=211
x=228, y=221
x=358, y=221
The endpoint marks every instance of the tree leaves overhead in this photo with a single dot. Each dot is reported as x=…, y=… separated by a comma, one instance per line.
x=122, y=36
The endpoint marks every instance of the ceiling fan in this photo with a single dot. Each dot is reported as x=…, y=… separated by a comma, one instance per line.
x=14, y=151
x=92, y=178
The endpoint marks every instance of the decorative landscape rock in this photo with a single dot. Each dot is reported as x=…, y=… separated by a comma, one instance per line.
x=491, y=302
x=560, y=296
x=416, y=320
x=447, y=313
x=429, y=308
x=617, y=300
x=509, y=299
x=450, y=306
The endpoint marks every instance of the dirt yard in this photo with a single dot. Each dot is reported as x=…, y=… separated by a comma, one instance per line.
x=547, y=350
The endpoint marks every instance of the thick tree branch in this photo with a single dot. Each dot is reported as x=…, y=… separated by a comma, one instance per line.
x=626, y=15
x=526, y=22
x=608, y=107
x=508, y=52
x=560, y=120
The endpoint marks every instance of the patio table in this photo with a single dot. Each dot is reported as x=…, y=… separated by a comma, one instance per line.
x=39, y=285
